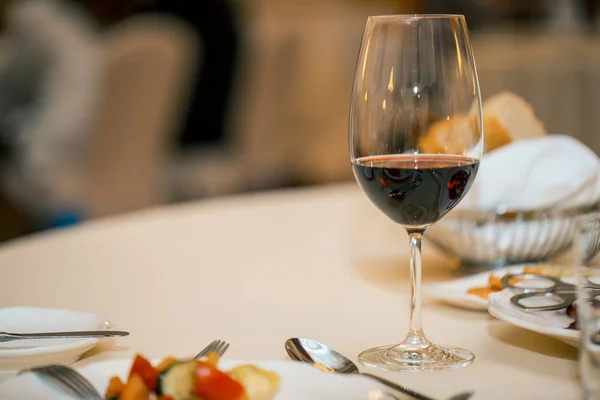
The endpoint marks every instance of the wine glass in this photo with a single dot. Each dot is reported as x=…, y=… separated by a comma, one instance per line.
x=415, y=143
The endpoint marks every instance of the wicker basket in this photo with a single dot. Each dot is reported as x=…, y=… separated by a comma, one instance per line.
x=498, y=239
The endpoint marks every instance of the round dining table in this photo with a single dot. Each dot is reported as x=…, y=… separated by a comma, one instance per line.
x=259, y=268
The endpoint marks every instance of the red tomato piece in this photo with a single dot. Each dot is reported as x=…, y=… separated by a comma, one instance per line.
x=146, y=371
x=213, y=384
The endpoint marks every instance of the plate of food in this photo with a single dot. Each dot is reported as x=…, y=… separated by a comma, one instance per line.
x=560, y=324
x=208, y=379
x=472, y=292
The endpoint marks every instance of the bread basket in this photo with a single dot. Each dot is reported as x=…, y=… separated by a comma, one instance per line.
x=495, y=239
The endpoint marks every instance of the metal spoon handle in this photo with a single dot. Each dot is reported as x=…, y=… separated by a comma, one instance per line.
x=7, y=336
x=397, y=387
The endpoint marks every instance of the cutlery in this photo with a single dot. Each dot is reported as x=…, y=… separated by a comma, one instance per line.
x=329, y=360
x=71, y=381
x=216, y=346
x=7, y=336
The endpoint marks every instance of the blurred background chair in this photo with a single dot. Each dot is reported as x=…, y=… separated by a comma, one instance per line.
x=49, y=62
x=146, y=74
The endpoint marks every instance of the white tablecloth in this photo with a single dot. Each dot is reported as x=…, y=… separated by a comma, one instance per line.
x=258, y=269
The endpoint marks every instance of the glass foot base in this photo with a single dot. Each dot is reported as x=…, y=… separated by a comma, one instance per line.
x=430, y=357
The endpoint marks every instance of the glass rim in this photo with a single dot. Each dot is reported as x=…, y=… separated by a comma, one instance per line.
x=415, y=16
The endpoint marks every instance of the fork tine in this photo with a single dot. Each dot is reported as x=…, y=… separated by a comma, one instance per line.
x=68, y=380
x=216, y=346
x=223, y=348
x=57, y=383
x=76, y=380
x=79, y=380
x=207, y=349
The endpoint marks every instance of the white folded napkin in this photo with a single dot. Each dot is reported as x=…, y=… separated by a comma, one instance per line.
x=556, y=171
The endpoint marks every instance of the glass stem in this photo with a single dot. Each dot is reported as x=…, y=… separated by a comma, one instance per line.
x=415, y=335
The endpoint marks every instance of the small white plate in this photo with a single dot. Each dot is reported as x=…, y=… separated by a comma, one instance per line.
x=454, y=292
x=19, y=354
x=549, y=323
x=298, y=382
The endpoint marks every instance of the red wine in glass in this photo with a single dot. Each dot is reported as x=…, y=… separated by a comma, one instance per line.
x=415, y=190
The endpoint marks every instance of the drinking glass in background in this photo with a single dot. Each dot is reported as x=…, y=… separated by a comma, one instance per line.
x=587, y=271
x=415, y=143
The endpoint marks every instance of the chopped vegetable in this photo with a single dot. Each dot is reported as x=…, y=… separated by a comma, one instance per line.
x=178, y=381
x=259, y=384
x=212, y=358
x=166, y=363
x=115, y=388
x=146, y=371
x=213, y=384
x=135, y=389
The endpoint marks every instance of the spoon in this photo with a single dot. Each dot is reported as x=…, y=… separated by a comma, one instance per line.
x=329, y=360
x=7, y=336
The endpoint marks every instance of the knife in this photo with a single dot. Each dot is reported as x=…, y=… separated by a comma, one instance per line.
x=7, y=336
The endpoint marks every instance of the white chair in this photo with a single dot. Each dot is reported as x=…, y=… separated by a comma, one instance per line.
x=147, y=70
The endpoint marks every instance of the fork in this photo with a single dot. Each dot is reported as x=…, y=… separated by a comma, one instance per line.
x=71, y=381
x=216, y=346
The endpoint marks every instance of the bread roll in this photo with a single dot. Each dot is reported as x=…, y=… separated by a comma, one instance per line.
x=451, y=136
x=506, y=117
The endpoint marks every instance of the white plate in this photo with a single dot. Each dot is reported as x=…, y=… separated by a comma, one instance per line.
x=298, y=382
x=550, y=323
x=454, y=292
x=16, y=355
